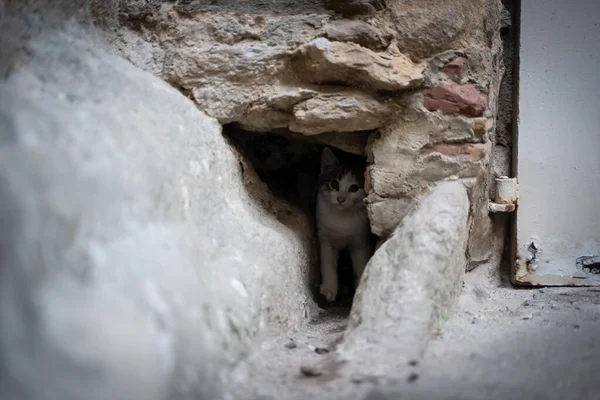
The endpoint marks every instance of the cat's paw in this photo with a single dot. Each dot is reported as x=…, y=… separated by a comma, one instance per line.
x=329, y=293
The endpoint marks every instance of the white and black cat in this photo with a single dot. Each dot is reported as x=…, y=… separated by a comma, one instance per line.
x=342, y=221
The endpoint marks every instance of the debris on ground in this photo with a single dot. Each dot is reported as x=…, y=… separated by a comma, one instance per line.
x=358, y=379
x=310, y=371
x=413, y=377
x=291, y=345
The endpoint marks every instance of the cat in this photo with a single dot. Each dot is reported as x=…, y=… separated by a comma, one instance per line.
x=342, y=221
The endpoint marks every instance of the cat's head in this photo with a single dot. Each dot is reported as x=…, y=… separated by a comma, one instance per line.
x=341, y=186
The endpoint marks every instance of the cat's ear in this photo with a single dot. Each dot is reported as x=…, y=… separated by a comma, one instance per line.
x=328, y=160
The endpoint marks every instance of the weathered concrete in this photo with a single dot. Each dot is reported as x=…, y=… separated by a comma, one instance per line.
x=496, y=342
x=323, y=61
x=410, y=282
x=501, y=343
x=134, y=262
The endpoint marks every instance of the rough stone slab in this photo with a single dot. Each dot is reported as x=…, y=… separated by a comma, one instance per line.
x=134, y=263
x=405, y=166
x=472, y=151
x=387, y=212
x=356, y=31
x=344, y=111
x=352, y=8
x=411, y=281
x=262, y=118
x=322, y=61
x=285, y=98
x=429, y=27
x=350, y=142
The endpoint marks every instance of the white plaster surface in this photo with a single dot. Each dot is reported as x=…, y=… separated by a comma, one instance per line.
x=559, y=134
x=124, y=274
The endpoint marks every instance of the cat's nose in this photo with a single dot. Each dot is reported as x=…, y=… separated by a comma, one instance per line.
x=341, y=199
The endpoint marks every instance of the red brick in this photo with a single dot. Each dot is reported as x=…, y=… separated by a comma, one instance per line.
x=452, y=98
x=456, y=68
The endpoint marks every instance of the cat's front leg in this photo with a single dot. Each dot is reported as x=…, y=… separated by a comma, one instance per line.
x=329, y=279
x=360, y=256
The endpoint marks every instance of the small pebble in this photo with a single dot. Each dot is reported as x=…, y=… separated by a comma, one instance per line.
x=576, y=326
x=321, y=350
x=310, y=371
x=413, y=363
x=364, y=379
x=291, y=345
x=527, y=317
x=413, y=377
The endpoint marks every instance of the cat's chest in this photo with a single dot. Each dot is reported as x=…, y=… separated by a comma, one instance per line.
x=341, y=226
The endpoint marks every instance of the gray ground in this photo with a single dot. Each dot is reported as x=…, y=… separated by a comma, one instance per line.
x=499, y=343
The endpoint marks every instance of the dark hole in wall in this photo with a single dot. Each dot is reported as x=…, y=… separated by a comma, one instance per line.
x=290, y=169
x=506, y=125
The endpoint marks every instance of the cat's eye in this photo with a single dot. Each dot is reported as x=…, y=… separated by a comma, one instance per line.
x=353, y=188
x=335, y=185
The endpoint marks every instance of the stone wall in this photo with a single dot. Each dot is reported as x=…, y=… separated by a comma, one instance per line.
x=141, y=256
x=417, y=81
